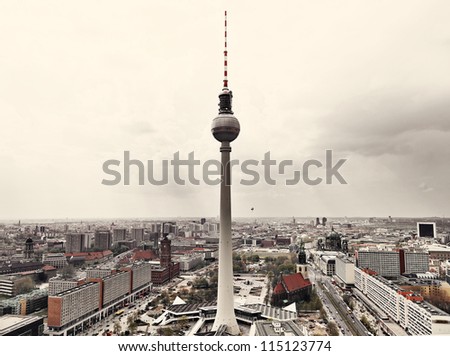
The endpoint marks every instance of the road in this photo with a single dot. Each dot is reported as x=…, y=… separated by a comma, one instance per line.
x=346, y=321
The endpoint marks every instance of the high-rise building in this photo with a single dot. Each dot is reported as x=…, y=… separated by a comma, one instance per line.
x=345, y=270
x=76, y=242
x=72, y=305
x=137, y=234
x=119, y=234
x=225, y=129
x=393, y=263
x=103, y=239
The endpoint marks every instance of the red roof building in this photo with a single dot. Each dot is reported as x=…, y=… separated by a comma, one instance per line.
x=291, y=288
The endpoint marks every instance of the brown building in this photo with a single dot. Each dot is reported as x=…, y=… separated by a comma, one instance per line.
x=167, y=269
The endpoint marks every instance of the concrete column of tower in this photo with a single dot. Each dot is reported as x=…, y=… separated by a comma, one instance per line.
x=225, y=294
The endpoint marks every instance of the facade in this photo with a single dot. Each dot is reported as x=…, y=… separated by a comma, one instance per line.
x=29, y=249
x=8, y=285
x=439, y=252
x=24, y=304
x=404, y=307
x=393, y=263
x=33, y=301
x=189, y=262
x=141, y=275
x=97, y=273
x=415, y=262
x=167, y=269
x=385, y=263
x=57, y=260
x=72, y=305
x=327, y=264
x=57, y=285
x=103, y=240
x=114, y=287
x=76, y=242
x=119, y=235
x=17, y=267
x=345, y=270
x=137, y=234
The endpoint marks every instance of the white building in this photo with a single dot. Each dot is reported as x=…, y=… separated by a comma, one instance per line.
x=141, y=275
x=97, y=273
x=115, y=287
x=327, y=264
x=58, y=284
x=57, y=260
x=404, y=307
x=189, y=262
x=345, y=270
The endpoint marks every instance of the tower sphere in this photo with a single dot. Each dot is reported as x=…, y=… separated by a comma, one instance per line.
x=225, y=127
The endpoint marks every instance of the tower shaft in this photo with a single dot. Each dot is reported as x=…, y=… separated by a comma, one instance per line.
x=225, y=300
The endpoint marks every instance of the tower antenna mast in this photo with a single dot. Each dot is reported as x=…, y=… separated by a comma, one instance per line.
x=225, y=57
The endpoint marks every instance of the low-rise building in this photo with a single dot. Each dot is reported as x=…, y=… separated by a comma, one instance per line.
x=188, y=262
x=57, y=260
x=19, y=325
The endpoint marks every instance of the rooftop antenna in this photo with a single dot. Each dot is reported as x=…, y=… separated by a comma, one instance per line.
x=225, y=58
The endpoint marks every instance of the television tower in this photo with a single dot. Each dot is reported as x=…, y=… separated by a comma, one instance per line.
x=225, y=128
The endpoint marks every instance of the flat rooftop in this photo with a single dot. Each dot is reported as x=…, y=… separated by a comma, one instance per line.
x=12, y=322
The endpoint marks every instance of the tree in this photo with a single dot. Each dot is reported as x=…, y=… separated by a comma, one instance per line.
x=68, y=272
x=323, y=314
x=131, y=321
x=332, y=329
x=24, y=285
x=117, y=328
x=367, y=325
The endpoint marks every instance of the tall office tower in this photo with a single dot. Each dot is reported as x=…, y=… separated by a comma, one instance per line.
x=103, y=239
x=137, y=234
x=154, y=240
x=75, y=242
x=225, y=129
x=29, y=250
x=119, y=235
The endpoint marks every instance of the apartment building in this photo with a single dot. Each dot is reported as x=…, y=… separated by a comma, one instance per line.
x=405, y=307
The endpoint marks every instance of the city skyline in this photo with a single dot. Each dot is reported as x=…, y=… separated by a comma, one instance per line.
x=82, y=84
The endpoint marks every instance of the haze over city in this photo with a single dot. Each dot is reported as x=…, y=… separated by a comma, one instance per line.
x=82, y=82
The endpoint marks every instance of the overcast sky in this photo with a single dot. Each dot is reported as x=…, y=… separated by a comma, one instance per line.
x=83, y=81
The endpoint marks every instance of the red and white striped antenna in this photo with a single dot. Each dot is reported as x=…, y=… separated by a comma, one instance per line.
x=225, y=58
